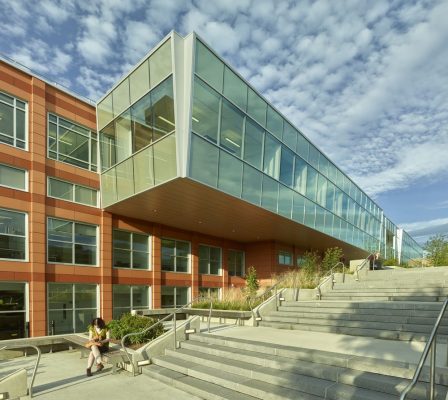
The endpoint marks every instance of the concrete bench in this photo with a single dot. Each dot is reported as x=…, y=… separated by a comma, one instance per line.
x=114, y=356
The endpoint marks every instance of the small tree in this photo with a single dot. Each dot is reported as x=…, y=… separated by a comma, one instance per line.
x=331, y=257
x=310, y=262
x=252, y=284
x=437, y=250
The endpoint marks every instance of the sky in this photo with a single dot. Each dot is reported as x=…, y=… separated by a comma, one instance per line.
x=366, y=81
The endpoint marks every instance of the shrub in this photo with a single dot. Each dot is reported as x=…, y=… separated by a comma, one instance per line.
x=391, y=261
x=129, y=323
x=233, y=299
x=252, y=284
x=331, y=257
x=437, y=250
x=310, y=262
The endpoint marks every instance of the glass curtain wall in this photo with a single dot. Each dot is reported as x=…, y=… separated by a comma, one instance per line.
x=244, y=147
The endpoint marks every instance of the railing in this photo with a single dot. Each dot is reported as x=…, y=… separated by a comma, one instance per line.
x=361, y=266
x=329, y=276
x=173, y=315
x=30, y=387
x=254, y=300
x=430, y=347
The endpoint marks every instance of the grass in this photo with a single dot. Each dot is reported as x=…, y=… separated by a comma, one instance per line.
x=233, y=299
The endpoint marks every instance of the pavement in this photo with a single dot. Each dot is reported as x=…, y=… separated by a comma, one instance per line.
x=62, y=375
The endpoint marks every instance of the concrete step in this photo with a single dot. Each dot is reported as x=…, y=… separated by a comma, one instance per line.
x=379, y=297
x=197, y=387
x=281, y=370
x=374, y=333
x=411, y=285
x=432, y=291
x=403, y=305
x=243, y=384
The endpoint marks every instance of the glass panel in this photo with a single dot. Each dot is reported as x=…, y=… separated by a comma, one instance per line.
x=122, y=239
x=7, y=99
x=125, y=179
x=168, y=249
x=313, y=158
x=107, y=146
x=122, y=258
x=329, y=202
x=139, y=81
x=61, y=190
x=209, y=67
x=108, y=188
x=140, y=297
x=287, y=166
x=85, y=296
x=139, y=242
x=73, y=147
x=272, y=149
x=300, y=175
x=85, y=255
x=85, y=234
x=285, y=201
x=311, y=184
x=252, y=184
x=290, y=136
x=320, y=218
x=230, y=174
x=310, y=213
x=20, y=126
x=206, y=105
x=105, y=113
x=165, y=160
x=160, y=64
x=256, y=107
x=181, y=296
x=144, y=170
x=120, y=96
x=139, y=260
x=162, y=101
x=142, y=121
x=323, y=164
x=321, y=190
x=235, y=89
x=60, y=230
x=302, y=147
x=253, y=143
x=275, y=123
x=12, y=296
x=6, y=122
x=12, y=247
x=204, y=161
x=86, y=196
x=168, y=297
x=232, y=121
x=12, y=177
x=298, y=210
x=62, y=321
x=60, y=252
x=123, y=137
x=270, y=194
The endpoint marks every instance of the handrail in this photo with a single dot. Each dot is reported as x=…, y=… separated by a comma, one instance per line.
x=252, y=300
x=430, y=346
x=173, y=315
x=328, y=276
x=30, y=387
x=362, y=265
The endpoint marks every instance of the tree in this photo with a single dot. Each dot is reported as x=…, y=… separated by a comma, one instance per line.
x=252, y=284
x=331, y=257
x=437, y=250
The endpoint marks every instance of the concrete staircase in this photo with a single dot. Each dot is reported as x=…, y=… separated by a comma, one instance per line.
x=220, y=367
x=394, y=305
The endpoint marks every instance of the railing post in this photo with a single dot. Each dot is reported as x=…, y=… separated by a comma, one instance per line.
x=332, y=280
x=276, y=299
x=210, y=314
x=174, y=327
x=432, y=370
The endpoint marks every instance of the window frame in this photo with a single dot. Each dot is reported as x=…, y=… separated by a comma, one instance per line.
x=25, y=110
x=282, y=254
x=131, y=250
x=131, y=294
x=92, y=167
x=18, y=169
x=74, y=185
x=175, y=256
x=26, y=236
x=73, y=243
x=209, y=247
x=243, y=267
x=175, y=305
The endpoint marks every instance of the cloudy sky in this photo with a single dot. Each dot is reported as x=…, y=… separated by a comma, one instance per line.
x=366, y=81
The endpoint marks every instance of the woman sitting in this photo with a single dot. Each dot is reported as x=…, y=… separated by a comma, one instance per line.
x=98, y=343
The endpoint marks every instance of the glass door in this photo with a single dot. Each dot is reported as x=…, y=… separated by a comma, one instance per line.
x=12, y=310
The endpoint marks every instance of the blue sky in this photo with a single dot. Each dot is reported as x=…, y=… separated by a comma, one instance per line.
x=366, y=81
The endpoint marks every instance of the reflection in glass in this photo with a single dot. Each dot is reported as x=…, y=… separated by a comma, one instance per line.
x=230, y=174
x=272, y=149
x=205, y=117
x=287, y=167
x=274, y=123
x=253, y=143
x=165, y=159
x=160, y=64
x=298, y=209
x=120, y=97
x=235, y=89
x=232, y=120
x=300, y=175
x=285, y=201
x=139, y=81
x=144, y=170
x=209, y=67
x=251, y=184
x=204, y=161
x=256, y=107
x=270, y=194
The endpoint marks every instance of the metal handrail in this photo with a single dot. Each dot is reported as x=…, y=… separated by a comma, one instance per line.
x=430, y=346
x=173, y=315
x=30, y=387
x=362, y=265
x=330, y=275
x=252, y=300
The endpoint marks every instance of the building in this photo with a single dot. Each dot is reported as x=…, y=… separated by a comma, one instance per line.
x=175, y=182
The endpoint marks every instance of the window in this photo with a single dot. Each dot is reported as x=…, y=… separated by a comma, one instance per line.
x=13, y=121
x=232, y=121
x=209, y=260
x=284, y=258
x=131, y=250
x=13, y=307
x=210, y=292
x=72, y=143
x=173, y=297
x=175, y=255
x=13, y=235
x=71, y=307
x=13, y=177
x=235, y=263
x=71, y=242
x=209, y=67
x=127, y=298
x=72, y=192
x=272, y=151
x=253, y=143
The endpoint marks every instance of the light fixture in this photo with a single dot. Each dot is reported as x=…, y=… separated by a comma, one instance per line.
x=231, y=141
x=194, y=119
x=165, y=120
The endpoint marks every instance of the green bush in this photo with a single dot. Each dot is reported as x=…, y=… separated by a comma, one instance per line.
x=252, y=284
x=310, y=263
x=390, y=261
x=331, y=257
x=129, y=323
